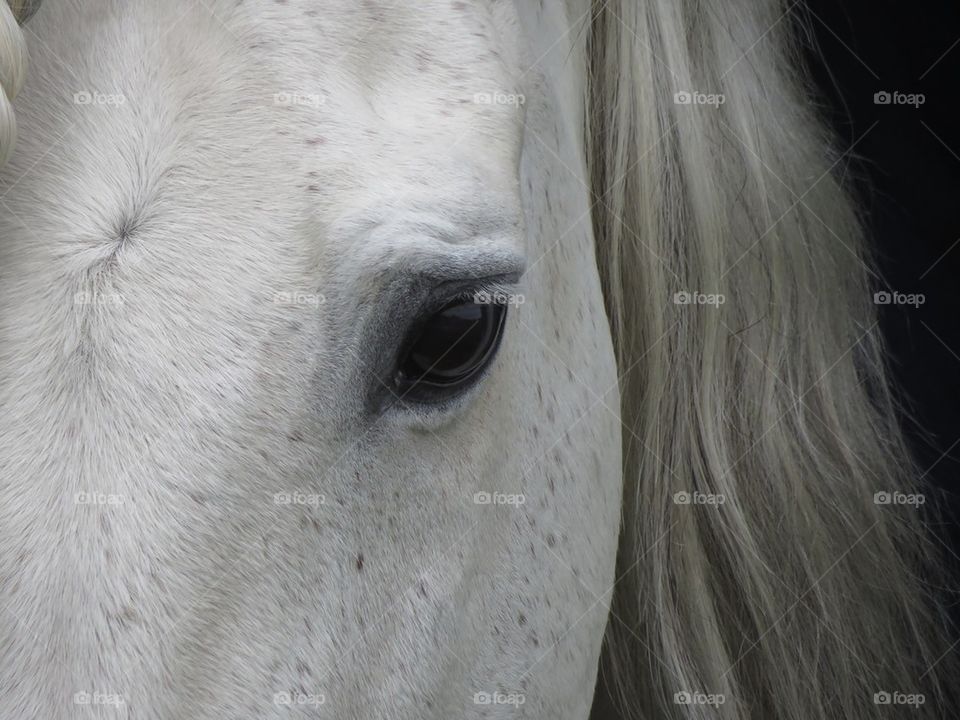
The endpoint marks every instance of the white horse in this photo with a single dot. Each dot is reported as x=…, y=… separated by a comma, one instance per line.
x=383, y=360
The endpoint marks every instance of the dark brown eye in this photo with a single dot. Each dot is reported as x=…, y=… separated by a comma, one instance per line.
x=450, y=349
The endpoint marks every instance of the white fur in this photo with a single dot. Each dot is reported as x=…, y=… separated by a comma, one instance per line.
x=178, y=385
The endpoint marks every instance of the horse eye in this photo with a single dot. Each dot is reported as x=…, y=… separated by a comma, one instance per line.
x=450, y=349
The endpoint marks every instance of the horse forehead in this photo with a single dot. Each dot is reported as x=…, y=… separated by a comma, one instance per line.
x=425, y=83
x=414, y=108
x=229, y=106
x=430, y=80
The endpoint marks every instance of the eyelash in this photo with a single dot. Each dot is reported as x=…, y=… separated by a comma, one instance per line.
x=494, y=286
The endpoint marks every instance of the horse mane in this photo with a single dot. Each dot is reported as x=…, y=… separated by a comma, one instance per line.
x=799, y=597
x=13, y=67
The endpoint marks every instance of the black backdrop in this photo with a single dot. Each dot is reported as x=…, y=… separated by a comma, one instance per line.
x=905, y=168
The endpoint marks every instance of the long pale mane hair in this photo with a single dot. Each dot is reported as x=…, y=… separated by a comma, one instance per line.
x=13, y=67
x=800, y=597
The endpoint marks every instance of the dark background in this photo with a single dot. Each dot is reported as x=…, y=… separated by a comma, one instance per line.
x=905, y=169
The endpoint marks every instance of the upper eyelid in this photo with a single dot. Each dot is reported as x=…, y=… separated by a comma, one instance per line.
x=433, y=298
x=468, y=245
x=422, y=273
x=504, y=281
x=480, y=261
x=402, y=293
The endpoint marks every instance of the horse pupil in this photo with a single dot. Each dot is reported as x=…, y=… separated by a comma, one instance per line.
x=454, y=344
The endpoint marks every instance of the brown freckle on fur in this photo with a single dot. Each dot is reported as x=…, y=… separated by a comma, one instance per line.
x=313, y=188
x=424, y=59
x=522, y=619
x=551, y=540
x=360, y=562
x=315, y=141
x=295, y=436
